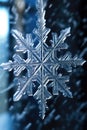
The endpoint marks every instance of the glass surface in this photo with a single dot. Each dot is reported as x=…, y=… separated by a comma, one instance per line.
x=4, y=0
x=4, y=41
x=4, y=24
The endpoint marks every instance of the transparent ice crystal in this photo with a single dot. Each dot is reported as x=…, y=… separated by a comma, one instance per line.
x=42, y=63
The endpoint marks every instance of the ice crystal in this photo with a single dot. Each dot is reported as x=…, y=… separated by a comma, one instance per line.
x=42, y=63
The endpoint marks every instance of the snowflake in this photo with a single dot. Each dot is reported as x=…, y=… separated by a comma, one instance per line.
x=42, y=63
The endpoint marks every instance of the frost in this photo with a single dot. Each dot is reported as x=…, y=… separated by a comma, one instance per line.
x=42, y=63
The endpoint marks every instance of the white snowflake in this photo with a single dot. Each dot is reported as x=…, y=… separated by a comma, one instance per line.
x=42, y=63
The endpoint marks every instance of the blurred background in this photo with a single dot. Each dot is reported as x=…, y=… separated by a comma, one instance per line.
x=63, y=113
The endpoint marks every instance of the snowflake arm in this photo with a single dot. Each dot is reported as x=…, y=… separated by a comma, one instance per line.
x=41, y=32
